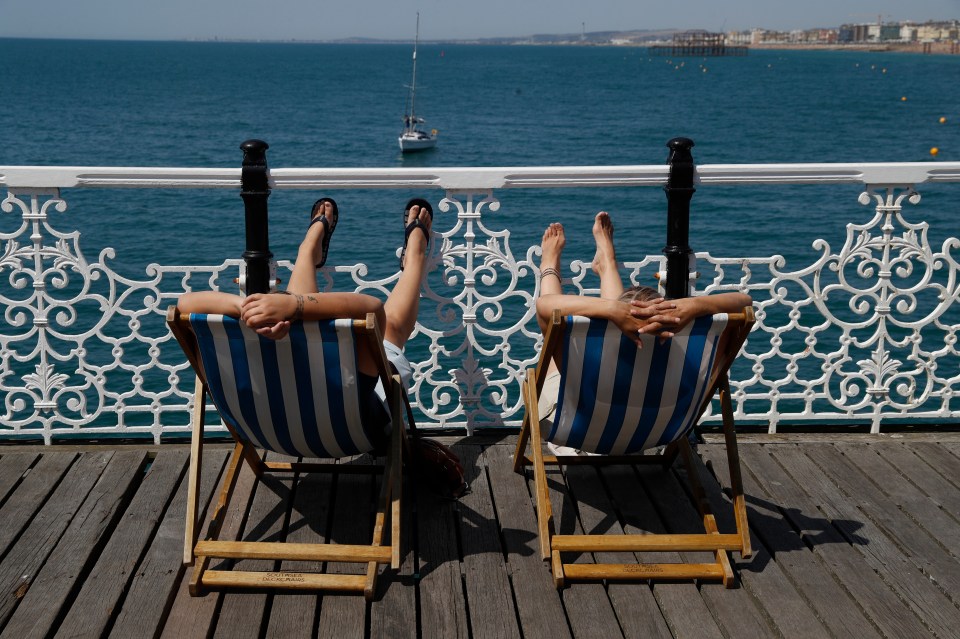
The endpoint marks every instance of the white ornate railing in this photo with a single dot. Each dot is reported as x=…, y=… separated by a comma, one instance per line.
x=865, y=334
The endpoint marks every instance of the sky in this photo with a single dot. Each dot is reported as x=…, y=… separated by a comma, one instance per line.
x=440, y=19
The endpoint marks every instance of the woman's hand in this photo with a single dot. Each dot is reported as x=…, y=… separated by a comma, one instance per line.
x=277, y=331
x=261, y=310
x=659, y=317
x=639, y=317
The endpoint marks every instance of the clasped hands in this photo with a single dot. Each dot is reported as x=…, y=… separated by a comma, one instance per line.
x=269, y=314
x=659, y=317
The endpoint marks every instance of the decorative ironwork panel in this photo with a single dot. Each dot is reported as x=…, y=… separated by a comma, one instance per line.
x=866, y=333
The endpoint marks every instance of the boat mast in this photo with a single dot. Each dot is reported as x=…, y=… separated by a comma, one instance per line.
x=413, y=83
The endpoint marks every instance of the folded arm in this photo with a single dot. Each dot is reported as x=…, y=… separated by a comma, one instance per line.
x=270, y=314
x=687, y=309
x=631, y=318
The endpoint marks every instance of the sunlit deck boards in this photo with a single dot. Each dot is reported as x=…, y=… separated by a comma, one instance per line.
x=859, y=537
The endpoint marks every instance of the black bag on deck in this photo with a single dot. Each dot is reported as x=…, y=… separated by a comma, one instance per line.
x=435, y=464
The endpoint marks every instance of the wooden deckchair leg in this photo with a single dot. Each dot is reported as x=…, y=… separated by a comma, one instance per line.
x=733, y=459
x=398, y=437
x=703, y=506
x=544, y=509
x=193, y=479
x=520, y=454
x=226, y=490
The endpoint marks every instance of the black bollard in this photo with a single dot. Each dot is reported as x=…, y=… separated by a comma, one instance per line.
x=679, y=190
x=255, y=189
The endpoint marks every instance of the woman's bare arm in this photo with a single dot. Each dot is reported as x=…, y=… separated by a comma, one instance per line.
x=213, y=302
x=262, y=310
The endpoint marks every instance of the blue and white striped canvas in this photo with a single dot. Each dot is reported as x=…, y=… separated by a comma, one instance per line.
x=297, y=395
x=617, y=399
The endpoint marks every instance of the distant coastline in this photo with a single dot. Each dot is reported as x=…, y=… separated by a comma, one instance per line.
x=604, y=39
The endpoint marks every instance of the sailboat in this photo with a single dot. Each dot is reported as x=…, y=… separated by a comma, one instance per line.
x=413, y=138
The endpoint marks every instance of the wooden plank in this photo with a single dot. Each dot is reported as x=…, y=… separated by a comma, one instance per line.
x=195, y=616
x=243, y=613
x=910, y=585
x=589, y=609
x=155, y=581
x=30, y=496
x=443, y=609
x=294, y=615
x=26, y=558
x=943, y=458
x=871, y=593
x=344, y=615
x=763, y=576
x=681, y=604
x=778, y=546
x=914, y=464
x=489, y=596
x=13, y=466
x=92, y=610
x=734, y=609
x=896, y=485
x=393, y=612
x=901, y=539
x=67, y=566
x=538, y=603
x=634, y=604
x=952, y=446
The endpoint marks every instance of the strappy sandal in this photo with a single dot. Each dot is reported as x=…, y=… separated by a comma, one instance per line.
x=416, y=224
x=329, y=227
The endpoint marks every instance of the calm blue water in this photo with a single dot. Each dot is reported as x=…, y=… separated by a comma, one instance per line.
x=191, y=104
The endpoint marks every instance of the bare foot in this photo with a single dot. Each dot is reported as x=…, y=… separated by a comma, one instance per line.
x=551, y=246
x=606, y=257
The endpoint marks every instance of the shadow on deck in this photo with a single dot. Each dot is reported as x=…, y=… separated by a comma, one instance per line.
x=858, y=536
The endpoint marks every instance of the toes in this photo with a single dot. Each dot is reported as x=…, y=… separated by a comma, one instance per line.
x=425, y=218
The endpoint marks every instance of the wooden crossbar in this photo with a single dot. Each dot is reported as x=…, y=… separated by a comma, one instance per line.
x=292, y=551
x=287, y=580
x=645, y=543
x=632, y=572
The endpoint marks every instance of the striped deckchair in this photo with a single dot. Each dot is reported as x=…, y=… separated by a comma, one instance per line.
x=616, y=401
x=298, y=397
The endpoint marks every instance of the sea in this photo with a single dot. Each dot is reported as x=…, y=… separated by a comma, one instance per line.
x=191, y=104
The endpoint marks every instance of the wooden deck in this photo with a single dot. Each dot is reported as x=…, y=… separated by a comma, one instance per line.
x=855, y=536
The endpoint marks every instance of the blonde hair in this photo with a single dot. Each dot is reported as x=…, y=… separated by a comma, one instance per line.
x=640, y=294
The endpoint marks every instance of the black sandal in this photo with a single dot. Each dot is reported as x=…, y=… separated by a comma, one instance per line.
x=329, y=227
x=416, y=224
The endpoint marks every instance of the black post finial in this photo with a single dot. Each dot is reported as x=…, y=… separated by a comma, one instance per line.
x=679, y=190
x=255, y=189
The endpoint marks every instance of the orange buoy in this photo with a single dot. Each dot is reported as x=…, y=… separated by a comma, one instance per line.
x=934, y=151
x=943, y=120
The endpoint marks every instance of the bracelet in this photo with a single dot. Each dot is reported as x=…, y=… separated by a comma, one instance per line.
x=550, y=271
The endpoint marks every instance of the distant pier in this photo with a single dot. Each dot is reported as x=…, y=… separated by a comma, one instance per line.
x=697, y=43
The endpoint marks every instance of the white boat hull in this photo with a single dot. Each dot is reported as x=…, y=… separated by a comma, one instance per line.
x=417, y=142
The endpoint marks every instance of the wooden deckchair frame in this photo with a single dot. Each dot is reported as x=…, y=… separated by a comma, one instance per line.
x=199, y=552
x=552, y=544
